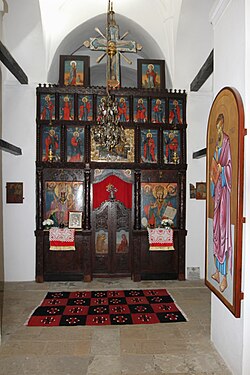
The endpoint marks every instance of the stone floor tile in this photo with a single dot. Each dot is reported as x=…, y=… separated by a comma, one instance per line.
x=106, y=340
x=138, y=364
x=60, y=365
x=104, y=365
x=157, y=349
x=29, y=348
x=64, y=348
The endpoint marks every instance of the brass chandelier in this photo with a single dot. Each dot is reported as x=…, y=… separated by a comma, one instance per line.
x=109, y=132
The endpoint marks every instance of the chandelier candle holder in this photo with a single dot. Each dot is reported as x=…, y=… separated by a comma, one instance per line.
x=109, y=132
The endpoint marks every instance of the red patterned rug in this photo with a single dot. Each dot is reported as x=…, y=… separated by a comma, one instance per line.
x=114, y=307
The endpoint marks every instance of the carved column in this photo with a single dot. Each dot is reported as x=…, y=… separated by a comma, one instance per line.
x=137, y=200
x=87, y=197
x=39, y=194
x=182, y=178
x=39, y=256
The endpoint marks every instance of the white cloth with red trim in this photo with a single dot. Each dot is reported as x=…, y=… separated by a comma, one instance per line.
x=160, y=239
x=62, y=239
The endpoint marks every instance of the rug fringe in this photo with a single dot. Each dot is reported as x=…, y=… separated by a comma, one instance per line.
x=32, y=312
x=178, y=307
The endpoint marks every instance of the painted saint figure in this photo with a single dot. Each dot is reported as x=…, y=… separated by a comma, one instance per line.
x=172, y=146
x=84, y=109
x=47, y=112
x=66, y=109
x=140, y=111
x=175, y=115
x=221, y=184
x=151, y=76
x=123, y=245
x=158, y=111
x=76, y=147
x=51, y=144
x=122, y=110
x=72, y=73
x=149, y=148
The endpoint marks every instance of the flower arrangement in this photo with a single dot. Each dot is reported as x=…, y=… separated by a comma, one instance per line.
x=48, y=223
x=167, y=223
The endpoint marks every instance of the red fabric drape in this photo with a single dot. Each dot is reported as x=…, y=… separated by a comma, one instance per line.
x=123, y=194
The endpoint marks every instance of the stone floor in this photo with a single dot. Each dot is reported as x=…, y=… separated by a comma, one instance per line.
x=157, y=349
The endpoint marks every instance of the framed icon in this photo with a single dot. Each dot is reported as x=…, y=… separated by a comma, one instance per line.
x=74, y=70
x=75, y=220
x=151, y=74
x=14, y=192
x=224, y=203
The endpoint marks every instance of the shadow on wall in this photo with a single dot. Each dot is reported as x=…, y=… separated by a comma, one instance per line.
x=76, y=37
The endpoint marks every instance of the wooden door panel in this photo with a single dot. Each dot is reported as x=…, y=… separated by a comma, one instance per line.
x=111, y=239
x=100, y=240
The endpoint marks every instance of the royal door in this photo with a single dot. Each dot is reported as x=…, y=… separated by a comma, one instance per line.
x=111, y=226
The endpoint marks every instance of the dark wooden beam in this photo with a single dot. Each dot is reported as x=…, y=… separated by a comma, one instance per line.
x=12, y=65
x=205, y=71
x=200, y=154
x=8, y=147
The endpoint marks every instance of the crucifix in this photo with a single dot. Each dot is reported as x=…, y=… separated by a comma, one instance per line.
x=113, y=46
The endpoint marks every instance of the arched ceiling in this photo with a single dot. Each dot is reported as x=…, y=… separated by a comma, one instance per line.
x=86, y=30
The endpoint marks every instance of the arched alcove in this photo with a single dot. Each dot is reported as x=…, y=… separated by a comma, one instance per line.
x=86, y=30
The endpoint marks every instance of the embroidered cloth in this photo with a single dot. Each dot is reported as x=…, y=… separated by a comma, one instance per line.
x=62, y=239
x=160, y=239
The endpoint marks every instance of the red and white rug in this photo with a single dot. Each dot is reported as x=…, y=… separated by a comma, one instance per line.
x=99, y=308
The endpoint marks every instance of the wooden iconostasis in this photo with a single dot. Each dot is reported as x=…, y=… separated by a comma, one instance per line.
x=75, y=172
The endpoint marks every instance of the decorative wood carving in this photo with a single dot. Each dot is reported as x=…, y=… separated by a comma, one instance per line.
x=112, y=216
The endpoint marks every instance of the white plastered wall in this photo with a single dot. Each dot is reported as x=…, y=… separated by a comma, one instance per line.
x=31, y=49
x=22, y=36
x=227, y=332
x=193, y=46
x=246, y=253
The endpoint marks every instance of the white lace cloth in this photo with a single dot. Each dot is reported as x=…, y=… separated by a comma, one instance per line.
x=62, y=239
x=160, y=239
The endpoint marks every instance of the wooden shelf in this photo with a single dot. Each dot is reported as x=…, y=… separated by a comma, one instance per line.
x=200, y=154
x=205, y=71
x=8, y=147
x=11, y=64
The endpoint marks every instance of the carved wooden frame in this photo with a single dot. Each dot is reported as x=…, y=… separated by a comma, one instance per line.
x=160, y=70
x=84, y=74
x=228, y=103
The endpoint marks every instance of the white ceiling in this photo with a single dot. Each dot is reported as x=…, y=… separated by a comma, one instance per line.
x=83, y=32
x=68, y=24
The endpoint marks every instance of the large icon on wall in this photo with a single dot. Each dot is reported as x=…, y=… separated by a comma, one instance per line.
x=151, y=74
x=158, y=201
x=62, y=197
x=74, y=70
x=225, y=163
